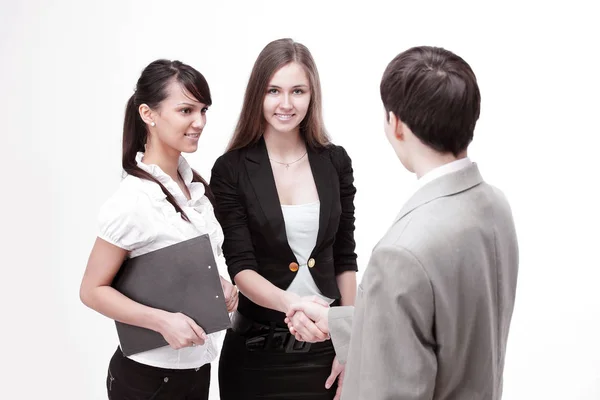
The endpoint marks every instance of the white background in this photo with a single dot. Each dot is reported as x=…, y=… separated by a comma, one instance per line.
x=68, y=68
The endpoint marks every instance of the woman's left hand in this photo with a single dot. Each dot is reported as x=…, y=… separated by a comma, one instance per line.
x=231, y=295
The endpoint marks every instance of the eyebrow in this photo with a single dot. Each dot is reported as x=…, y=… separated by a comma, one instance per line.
x=190, y=104
x=293, y=87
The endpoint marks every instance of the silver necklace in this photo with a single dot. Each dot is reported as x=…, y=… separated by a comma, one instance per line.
x=287, y=165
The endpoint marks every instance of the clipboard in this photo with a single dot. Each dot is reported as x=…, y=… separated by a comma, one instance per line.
x=179, y=278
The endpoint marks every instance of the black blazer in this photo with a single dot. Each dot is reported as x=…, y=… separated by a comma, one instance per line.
x=248, y=208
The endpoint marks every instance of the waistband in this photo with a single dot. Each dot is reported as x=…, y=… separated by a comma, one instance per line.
x=271, y=337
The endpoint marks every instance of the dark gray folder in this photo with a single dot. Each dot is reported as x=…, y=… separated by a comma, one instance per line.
x=179, y=278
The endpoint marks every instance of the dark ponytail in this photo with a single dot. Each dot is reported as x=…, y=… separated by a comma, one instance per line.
x=151, y=90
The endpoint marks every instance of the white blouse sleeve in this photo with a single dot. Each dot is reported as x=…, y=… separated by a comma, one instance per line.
x=123, y=221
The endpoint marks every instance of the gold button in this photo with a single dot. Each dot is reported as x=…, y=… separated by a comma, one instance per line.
x=293, y=266
x=311, y=263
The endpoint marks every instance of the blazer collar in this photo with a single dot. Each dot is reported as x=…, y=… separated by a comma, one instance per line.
x=263, y=181
x=446, y=185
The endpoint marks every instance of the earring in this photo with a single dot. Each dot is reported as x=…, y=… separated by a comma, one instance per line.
x=152, y=123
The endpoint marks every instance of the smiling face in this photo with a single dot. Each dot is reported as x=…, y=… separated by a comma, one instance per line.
x=287, y=99
x=179, y=120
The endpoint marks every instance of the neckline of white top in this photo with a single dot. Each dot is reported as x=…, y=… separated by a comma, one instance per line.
x=314, y=203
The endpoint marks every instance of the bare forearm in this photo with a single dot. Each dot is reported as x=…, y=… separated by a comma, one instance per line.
x=347, y=284
x=114, y=305
x=263, y=292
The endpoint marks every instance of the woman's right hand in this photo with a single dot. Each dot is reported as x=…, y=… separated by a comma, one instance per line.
x=180, y=331
x=231, y=295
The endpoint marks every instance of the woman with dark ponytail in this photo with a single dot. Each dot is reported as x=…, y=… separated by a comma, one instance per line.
x=160, y=202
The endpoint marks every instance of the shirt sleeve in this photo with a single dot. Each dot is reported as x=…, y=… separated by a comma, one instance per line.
x=125, y=222
x=340, y=328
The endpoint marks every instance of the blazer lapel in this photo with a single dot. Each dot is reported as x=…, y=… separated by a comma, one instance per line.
x=446, y=185
x=263, y=181
x=322, y=174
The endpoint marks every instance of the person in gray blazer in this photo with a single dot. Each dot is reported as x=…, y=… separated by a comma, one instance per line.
x=434, y=306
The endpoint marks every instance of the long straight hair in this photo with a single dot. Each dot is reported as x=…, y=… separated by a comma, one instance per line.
x=251, y=124
x=151, y=89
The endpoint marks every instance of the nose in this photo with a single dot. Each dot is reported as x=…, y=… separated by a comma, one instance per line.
x=286, y=103
x=199, y=122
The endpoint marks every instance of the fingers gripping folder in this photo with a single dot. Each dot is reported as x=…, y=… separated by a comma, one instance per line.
x=179, y=278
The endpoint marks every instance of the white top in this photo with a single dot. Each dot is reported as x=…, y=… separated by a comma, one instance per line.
x=139, y=219
x=301, y=228
x=442, y=170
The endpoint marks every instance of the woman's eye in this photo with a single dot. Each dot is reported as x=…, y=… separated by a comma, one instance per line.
x=273, y=91
x=186, y=111
x=204, y=110
x=298, y=91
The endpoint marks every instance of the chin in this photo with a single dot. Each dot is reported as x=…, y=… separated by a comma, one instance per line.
x=288, y=130
x=285, y=128
x=189, y=149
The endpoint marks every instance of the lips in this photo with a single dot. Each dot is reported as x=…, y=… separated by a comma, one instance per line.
x=284, y=117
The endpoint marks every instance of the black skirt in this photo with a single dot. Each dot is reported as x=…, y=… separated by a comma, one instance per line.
x=276, y=372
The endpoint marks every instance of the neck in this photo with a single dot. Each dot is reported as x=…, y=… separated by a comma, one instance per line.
x=168, y=161
x=284, y=146
x=429, y=159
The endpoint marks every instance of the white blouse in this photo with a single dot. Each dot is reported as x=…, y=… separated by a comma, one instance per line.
x=301, y=229
x=139, y=219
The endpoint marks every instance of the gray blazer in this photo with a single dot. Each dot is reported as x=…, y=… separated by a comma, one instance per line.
x=435, y=303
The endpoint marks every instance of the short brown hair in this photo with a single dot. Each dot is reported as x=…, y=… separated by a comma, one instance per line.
x=435, y=93
x=251, y=124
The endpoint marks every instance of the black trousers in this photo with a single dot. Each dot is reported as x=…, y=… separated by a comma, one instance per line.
x=270, y=374
x=130, y=380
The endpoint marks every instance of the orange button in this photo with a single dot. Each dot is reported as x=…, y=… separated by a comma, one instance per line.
x=293, y=266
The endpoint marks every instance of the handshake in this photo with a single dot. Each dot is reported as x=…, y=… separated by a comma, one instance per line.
x=307, y=319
